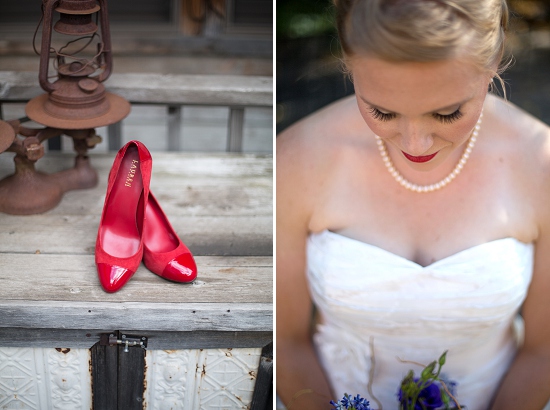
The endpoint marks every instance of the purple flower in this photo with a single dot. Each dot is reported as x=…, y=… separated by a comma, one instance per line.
x=428, y=399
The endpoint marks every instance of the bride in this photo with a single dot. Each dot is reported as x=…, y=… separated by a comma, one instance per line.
x=414, y=218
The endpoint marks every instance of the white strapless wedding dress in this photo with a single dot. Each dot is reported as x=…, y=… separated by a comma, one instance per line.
x=377, y=308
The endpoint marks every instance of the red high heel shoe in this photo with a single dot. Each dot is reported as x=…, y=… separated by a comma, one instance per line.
x=119, y=245
x=163, y=251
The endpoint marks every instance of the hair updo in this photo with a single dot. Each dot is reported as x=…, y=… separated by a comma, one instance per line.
x=424, y=30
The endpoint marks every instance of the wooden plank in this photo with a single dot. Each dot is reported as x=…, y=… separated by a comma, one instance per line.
x=50, y=338
x=132, y=39
x=180, y=317
x=184, y=184
x=218, y=204
x=19, y=86
x=218, y=90
x=207, y=340
x=104, y=376
x=74, y=278
x=114, y=136
x=131, y=372
x=204, y=235
x=174, y=127
x=204, y=198
x=54, y=144
x=262, y=398
x=182, y=166
x=86, y=338
x=235, y=130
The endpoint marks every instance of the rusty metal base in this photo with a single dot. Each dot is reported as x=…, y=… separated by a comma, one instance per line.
x=36, y=110
x=29, y=192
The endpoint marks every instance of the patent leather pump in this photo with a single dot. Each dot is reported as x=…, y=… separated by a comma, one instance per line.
x=163, y=251
x=119, y=245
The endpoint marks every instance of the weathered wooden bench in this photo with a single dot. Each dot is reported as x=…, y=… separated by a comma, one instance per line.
x=172, y=91
x=208, y=343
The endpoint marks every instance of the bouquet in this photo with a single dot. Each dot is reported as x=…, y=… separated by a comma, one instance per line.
x=427, y=392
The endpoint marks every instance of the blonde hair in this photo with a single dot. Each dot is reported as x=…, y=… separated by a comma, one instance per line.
x=424, y=30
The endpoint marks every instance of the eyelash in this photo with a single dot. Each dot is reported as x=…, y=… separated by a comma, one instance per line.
x=381, y=116
x=445, y=119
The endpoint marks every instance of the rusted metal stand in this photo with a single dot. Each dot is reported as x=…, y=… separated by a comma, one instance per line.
x=29, y=191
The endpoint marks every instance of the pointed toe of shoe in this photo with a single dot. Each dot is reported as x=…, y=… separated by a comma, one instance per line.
x=113, y=277
x=181, y=269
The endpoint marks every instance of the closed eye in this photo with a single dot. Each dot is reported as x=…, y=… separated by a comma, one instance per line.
x=379, y=115
x=449, y=118
x=444, y=118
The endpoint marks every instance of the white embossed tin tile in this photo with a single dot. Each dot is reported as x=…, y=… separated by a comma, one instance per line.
x=209, y=379
x=38, y=378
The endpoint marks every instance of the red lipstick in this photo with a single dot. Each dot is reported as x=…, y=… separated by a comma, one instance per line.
x=422, y=158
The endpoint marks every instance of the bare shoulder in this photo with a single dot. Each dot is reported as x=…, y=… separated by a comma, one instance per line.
x=311, y=146
x=527, y=140
x=525, y=135
x=323, y=133
x=309, y=155
x=322, y=129
x=518, y=125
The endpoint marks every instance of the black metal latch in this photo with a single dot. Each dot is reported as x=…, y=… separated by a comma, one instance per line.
x=126, y=340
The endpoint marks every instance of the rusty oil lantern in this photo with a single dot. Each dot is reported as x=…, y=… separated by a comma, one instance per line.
x=74, y=105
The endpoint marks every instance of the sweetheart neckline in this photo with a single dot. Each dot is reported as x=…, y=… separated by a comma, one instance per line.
x=440, y=261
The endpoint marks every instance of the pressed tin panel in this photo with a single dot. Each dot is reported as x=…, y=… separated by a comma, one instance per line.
x=40, y=378
x=205, y=379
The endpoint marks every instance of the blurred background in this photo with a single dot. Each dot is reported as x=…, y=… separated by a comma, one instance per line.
x=309, y=72
x=166, y=37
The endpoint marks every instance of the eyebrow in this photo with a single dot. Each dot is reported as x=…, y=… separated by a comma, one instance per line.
x=448, y=107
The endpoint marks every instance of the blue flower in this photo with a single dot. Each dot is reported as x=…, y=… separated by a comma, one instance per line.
x=360, y=403
x=337, y=406
x=428, y=399
x=354, y=403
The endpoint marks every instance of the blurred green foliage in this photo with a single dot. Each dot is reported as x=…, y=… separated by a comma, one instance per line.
x=304, y=18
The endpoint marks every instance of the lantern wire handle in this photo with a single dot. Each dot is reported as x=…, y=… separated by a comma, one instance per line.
x=36, y=30
x=94, y=62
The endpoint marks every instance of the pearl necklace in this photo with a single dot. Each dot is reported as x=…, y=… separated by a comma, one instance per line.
x=445, y=181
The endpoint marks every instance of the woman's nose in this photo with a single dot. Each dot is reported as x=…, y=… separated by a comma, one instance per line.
x=415, y=140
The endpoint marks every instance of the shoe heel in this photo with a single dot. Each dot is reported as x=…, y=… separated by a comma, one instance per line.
x=120, y=232
x=119, y=245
